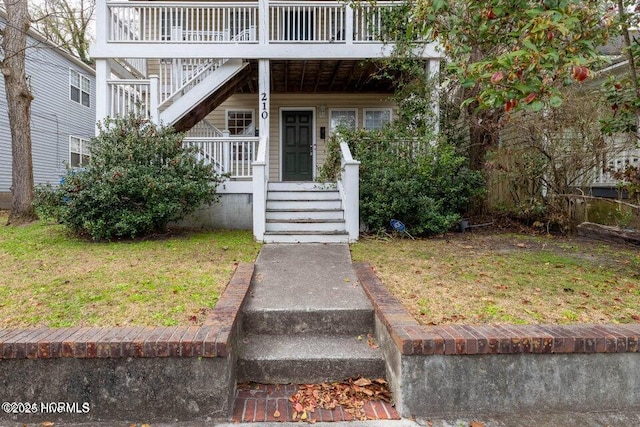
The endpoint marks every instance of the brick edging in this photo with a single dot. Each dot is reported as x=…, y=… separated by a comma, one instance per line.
x=209, y=340
x=411, y=338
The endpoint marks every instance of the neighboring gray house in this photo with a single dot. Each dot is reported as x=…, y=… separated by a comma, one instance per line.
x=63, y=114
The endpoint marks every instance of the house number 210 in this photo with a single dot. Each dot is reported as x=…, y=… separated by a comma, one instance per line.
x=264, y=112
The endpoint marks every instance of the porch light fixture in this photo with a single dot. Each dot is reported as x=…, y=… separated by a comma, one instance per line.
x=323, y=112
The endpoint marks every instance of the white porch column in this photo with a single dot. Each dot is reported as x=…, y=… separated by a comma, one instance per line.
x=433, y=70
x=103, y=21
x=263, y=22
x=264, y=101
x=261, y=165
x=103, y=99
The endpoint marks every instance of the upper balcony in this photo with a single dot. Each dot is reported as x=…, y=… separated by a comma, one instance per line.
x=260, y=29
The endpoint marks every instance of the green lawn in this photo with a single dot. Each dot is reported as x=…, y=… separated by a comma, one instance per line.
x=484, y=278
x=49, y=278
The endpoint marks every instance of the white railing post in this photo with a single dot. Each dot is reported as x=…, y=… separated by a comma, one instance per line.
x=433, y=71
x=349, y=186
x=226, y=152
x=154, y=96
x=260, y=174
x=348, y=24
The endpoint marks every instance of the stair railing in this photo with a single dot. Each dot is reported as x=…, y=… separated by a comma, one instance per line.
x=349, y=188
x=260, y=185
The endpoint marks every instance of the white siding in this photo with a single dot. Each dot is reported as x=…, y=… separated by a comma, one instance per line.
x=302, y=100
x=54, y=116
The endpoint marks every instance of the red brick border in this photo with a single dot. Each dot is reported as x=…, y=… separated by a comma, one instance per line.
x=415, y=339
x=209, y=340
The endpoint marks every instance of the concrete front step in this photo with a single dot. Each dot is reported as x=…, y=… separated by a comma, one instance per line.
x=282, y=359
x=304, y=204
x=292, y=225
x=299, y=186
x=353, y=322
x=305, y=214
x=303, y=195
x=306, y=237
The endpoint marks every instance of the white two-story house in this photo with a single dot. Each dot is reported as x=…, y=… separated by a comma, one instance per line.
x=259, y=86
x=62, y=113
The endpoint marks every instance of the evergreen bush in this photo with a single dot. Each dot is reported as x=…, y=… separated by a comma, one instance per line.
x=139, y=179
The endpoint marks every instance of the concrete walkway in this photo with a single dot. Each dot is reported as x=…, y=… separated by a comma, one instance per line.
x=306, y=277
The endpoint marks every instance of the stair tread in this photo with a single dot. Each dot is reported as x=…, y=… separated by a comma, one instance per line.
x=306, y=221
x=307, y=347
x=307, y=233
x=305, y=210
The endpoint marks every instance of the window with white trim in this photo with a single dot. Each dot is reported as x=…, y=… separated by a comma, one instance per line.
x=79, y=152
x=376, y=118
x=344, y=117
x=79, y=88
x=240, y=122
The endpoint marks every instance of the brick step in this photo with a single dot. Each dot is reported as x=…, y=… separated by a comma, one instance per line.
x=257, y=403
x=352, y=322
x=303, y=359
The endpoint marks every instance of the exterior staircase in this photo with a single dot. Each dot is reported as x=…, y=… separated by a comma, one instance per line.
x=304, y=212
x=200, y=89
x=307, y=320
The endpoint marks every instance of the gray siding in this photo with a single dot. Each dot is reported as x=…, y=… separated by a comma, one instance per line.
x=54, y=116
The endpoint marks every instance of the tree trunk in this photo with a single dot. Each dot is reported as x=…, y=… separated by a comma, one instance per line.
x=483, y=135
x=19, y=98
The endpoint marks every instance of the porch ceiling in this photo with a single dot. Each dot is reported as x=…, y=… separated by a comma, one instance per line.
x=318, y=76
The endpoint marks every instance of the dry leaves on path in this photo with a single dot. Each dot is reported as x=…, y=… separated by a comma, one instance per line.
x=351, y=395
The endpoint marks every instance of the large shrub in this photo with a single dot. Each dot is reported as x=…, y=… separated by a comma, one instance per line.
x=426, y=185
x=139, y=179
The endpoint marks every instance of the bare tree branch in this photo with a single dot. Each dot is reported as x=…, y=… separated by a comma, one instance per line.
x=66, y=23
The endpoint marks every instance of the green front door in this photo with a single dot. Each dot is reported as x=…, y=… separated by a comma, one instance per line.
x=297, y=146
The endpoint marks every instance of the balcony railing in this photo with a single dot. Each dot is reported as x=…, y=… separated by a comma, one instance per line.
x=618, y=162
x=238, y=22
x=292, y=21
x=169, y=22
x=130, y=96
x=233, y=155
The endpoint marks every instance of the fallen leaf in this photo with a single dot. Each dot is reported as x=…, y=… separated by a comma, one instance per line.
x=362, y=382
x=476, y=424
x=635, y=317
x=276, y=414
x=46, y=423
x=299, y=407
x=303, y=416
x=520, y=245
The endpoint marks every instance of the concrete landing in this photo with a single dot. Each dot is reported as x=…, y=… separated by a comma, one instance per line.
x=305, y=278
